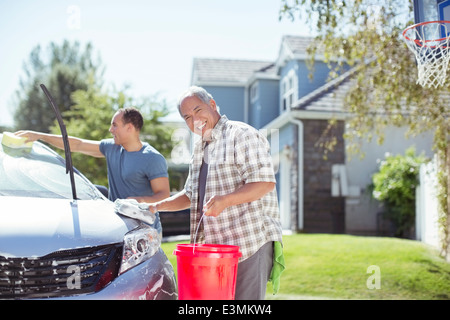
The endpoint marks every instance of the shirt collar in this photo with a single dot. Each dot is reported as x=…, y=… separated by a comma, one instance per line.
x=218, y=128
x=216, y=131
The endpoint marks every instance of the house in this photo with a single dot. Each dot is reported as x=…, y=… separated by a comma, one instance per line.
x=227, y=81
x=315, y=194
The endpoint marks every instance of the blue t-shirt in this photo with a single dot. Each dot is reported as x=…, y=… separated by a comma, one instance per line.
x=129, y=173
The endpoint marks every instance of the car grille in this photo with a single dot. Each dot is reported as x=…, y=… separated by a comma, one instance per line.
x=61, y=273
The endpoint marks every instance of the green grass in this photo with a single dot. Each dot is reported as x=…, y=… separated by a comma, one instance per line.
x=322, y=266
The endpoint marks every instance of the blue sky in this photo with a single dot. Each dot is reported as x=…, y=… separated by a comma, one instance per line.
x=147, y=44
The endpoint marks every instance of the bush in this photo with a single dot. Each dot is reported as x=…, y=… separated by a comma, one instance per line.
x=395, y=185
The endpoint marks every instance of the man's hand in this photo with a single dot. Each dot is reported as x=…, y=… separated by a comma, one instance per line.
x=247, y=193
x=31, y=136
x=153, y=207
x=174, y=203
x=215, y=206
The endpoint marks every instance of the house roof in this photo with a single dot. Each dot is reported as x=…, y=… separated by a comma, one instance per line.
x=295, y=48
x=227, y=71
x=297, y=44
x=323, y=103
x=329, y=97
x=214, y=71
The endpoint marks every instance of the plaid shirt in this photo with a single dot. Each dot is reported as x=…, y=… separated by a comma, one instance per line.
x=236, y=155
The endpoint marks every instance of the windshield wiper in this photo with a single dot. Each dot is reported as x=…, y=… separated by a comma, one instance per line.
x=65, y=137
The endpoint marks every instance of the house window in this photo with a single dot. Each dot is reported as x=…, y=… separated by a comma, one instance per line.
x=288, y=91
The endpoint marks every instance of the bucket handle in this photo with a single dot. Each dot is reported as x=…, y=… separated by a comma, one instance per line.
x=196, y=230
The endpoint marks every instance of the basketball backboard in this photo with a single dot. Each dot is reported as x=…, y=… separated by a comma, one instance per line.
x=431, y=10
x=429, y=40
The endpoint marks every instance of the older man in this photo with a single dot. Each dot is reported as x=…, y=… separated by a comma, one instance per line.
x=231, y=182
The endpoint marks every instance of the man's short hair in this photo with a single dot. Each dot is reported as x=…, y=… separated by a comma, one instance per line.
x=133, y=116
x=198, y=92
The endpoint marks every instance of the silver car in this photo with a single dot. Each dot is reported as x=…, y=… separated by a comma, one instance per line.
x=52, y=246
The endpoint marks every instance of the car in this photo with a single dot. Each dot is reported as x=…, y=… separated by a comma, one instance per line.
x=53, y=246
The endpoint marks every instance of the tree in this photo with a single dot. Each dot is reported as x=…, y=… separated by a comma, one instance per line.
x=366, y=35
x=395, y=185
x=67, y=69
x=89, y=118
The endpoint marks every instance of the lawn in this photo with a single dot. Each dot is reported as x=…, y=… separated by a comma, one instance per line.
x=323, y=266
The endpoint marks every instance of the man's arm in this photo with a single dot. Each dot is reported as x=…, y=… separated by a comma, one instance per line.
x=179, y=201
x=89, y=147
x=247, y=193
x=161, y=190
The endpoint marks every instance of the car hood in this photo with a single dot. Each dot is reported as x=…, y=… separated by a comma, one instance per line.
x=34, y=227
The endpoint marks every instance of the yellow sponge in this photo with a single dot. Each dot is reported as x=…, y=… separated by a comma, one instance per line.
x=12, y=141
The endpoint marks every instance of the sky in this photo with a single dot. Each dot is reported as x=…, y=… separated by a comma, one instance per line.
x=146, y=44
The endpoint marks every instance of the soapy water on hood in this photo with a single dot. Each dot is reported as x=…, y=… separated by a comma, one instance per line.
x=133, y=209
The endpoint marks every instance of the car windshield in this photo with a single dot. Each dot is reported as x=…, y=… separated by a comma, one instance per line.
x=39, y=172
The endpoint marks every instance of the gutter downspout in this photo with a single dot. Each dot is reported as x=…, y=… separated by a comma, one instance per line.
x=299, y=125
x=246, y=102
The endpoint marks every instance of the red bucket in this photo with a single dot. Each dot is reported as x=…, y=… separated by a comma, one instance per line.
x=206, y=271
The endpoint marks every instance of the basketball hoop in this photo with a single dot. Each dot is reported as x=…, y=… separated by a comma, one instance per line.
x=430, y=43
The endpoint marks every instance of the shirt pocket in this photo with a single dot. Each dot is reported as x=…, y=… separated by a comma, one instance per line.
x=223, y=178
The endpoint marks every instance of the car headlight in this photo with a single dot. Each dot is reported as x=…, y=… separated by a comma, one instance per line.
x=139, y=245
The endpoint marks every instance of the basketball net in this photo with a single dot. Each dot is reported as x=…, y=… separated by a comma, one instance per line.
x=429, y=41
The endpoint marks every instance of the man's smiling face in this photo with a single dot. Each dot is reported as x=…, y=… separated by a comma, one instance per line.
x=118, y=129
x=200, y=117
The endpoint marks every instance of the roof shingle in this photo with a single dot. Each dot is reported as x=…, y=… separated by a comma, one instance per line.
x=209, y=70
